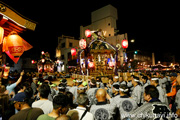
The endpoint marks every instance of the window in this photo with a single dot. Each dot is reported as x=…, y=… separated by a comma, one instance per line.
x=109, y=24
x=62, y=45
x=109, y=34
x=70, y=44
x=62, y=57
x=69, y=56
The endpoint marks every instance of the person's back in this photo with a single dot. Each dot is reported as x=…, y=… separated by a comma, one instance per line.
x=60, y=104
x=123, y=102
x=30, y=113
x=83, y=114
x=25, y=111
x=44, y=103
x=162, y=95
x=73, y=90
x=102, y=110
x=149, y=110
x=91, y=95
x=137, y=91
x=154, y=108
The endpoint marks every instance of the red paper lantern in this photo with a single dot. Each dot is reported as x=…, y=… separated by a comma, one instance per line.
x=15, y=44
x=91, y=64
x=82, y=43
x=32, y=61
x=111, y=64
x=1, y=34
x=73, y=51
x=88, y=33
x=125, y=44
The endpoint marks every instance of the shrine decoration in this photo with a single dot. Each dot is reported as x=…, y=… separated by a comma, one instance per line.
x=73, y=51
x=58, y=53
x=87, y=33
x=125, y=44
x=1, y=34
x=6, y=71
x=82, y=44
x=14, y=46
x=91, y=64
x=111, y=64
x=42, y=52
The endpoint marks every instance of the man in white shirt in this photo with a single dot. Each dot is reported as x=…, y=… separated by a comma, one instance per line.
x=83, y=114
x=44, y=103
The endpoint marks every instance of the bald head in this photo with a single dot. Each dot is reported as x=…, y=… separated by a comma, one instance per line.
x=64, y=117
x=74, y=115
x=81, y=89
x=101, y=95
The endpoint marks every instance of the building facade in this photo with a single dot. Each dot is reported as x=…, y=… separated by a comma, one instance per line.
x=104, y=19
x=65, y=44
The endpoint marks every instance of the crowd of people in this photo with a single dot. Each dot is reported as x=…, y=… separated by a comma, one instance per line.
x=140, y=96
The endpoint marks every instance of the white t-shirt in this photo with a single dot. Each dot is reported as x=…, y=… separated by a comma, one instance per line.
x=45, y=105
x=88, y=116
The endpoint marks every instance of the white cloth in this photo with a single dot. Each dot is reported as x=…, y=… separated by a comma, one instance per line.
x=177, y=99
x=137, y=94
x=73, y=90
x=45, y=105
x=162, y=95
x=124, y=104
x=88, y=116
x=102, y=111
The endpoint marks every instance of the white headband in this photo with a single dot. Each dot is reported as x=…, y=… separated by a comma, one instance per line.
x=63, y=82
x=116, y=89
x=98, y=83
x=116, y=77
x=78, y=81
x=154, y=78
x=81, y=88
x=123, y=90
x=136, y=80
x=61, y=87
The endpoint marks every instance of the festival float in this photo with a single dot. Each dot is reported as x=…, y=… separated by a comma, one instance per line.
x=96, y=57
x=45, y=64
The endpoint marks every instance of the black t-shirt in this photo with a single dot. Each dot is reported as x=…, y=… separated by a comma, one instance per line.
x=32, y=113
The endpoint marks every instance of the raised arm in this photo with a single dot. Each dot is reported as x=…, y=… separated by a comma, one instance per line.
x=20, y=78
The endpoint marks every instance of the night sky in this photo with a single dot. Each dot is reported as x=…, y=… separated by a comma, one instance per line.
x=153, y=25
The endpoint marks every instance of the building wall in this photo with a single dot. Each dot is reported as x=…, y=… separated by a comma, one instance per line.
x=67, y=48
x=104, y=18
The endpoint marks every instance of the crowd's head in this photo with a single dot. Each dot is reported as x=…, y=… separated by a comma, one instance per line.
x=150, y=92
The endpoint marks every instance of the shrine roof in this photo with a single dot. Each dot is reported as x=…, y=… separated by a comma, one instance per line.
x=10, y=20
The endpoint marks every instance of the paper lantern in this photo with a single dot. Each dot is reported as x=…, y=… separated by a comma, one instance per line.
x=1, y=34
x=42, y=52
x=111, y=64
x=125, y=44
x=15, y=44
x=91, y=64
x=88, y=33
x=5, y=47
x=82, y=43
x=32, y=61
x=6, y=71
x=73, y=51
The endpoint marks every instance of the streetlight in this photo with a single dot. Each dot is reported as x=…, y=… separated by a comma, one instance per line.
x=132, y=41
x=135, y=52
